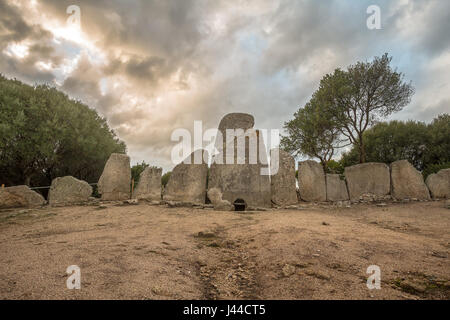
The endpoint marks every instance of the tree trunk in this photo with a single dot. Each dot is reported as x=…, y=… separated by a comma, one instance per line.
x=324, y=165
x=362, y=153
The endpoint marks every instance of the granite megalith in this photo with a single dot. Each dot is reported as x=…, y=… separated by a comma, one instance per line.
x=283, y=184
x=336, y=188
x=115, y=181
x=407, y=182
x=149, y=186
x=66, y=190
x=187, y=183
x=368, y=178
x=239, y=169
x=311, y=181
x=19, y=197
x=439, y=184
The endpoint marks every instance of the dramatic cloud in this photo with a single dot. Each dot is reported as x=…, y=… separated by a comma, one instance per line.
x=153, y=66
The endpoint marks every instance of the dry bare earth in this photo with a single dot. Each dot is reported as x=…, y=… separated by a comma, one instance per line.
x=153, y=252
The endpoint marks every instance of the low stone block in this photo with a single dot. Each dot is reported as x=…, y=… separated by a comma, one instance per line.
x=311, y=180
x=20, y=197
x=66, y=190
x=368, y=178
x=336, y=188
x=407, y=182
x=439, y=184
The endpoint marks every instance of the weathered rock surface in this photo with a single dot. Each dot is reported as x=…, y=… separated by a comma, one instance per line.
x=115, y=181
x=20, y=196
x=236, y=121
x=371, y=177
x=407, y=182
x=187, y=183
x=149, y=186
x=336, y=188
x=283, y=186
x=244, y=176
x=311, y=180
x=66, y=190
x=439, y=184
x=215, y=196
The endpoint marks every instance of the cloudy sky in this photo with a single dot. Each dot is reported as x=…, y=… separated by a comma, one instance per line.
x=153, y=66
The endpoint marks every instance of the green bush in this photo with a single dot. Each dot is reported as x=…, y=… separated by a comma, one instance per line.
x=165, y=178
x=433, y=168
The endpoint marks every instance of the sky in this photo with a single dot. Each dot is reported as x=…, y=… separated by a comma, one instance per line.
x=151, y=67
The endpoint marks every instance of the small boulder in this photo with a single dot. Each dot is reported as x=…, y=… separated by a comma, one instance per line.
x=336, y=188
x=288, y=270
x=19, y=197
x=115, y=181
x=368, y=178
x=439, y=184
x=215, y=196
x=311, y=180
x=407, y=182
x=66, y=190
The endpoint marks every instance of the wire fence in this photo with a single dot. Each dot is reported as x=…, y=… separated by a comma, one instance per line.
x=91, y=184
x=48, y=187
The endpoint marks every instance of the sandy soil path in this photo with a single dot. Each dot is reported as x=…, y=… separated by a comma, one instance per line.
x=153, y=252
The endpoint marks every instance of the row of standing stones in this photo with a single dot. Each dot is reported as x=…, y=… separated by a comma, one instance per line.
x=368, y=181
x=241, y=185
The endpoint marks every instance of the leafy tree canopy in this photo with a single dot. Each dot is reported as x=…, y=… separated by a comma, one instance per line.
x=425, y=146
x=312, y=132
x=44, y=134
x=165, y=178
x=365, y=93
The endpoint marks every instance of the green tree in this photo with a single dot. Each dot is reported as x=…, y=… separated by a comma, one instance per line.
x=311, y=132
x=44, y=134
x=362, y=95
x=165, y=178
x=391, y=141
x=426, y=147
x=136, y=171
x=438, y=150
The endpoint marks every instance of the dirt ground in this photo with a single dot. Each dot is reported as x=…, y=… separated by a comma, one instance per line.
x=154, y=252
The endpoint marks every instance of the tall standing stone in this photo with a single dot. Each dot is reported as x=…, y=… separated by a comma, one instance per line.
x=115, y=181
x=336, y=188
x=149, y=186
x=368, y=178
x=241, y=178
x=66, y=190
x=439, y=184
x=187, y=182
x=407, y=182
x=283, y=184
x=311, y=180
x=19, y=196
